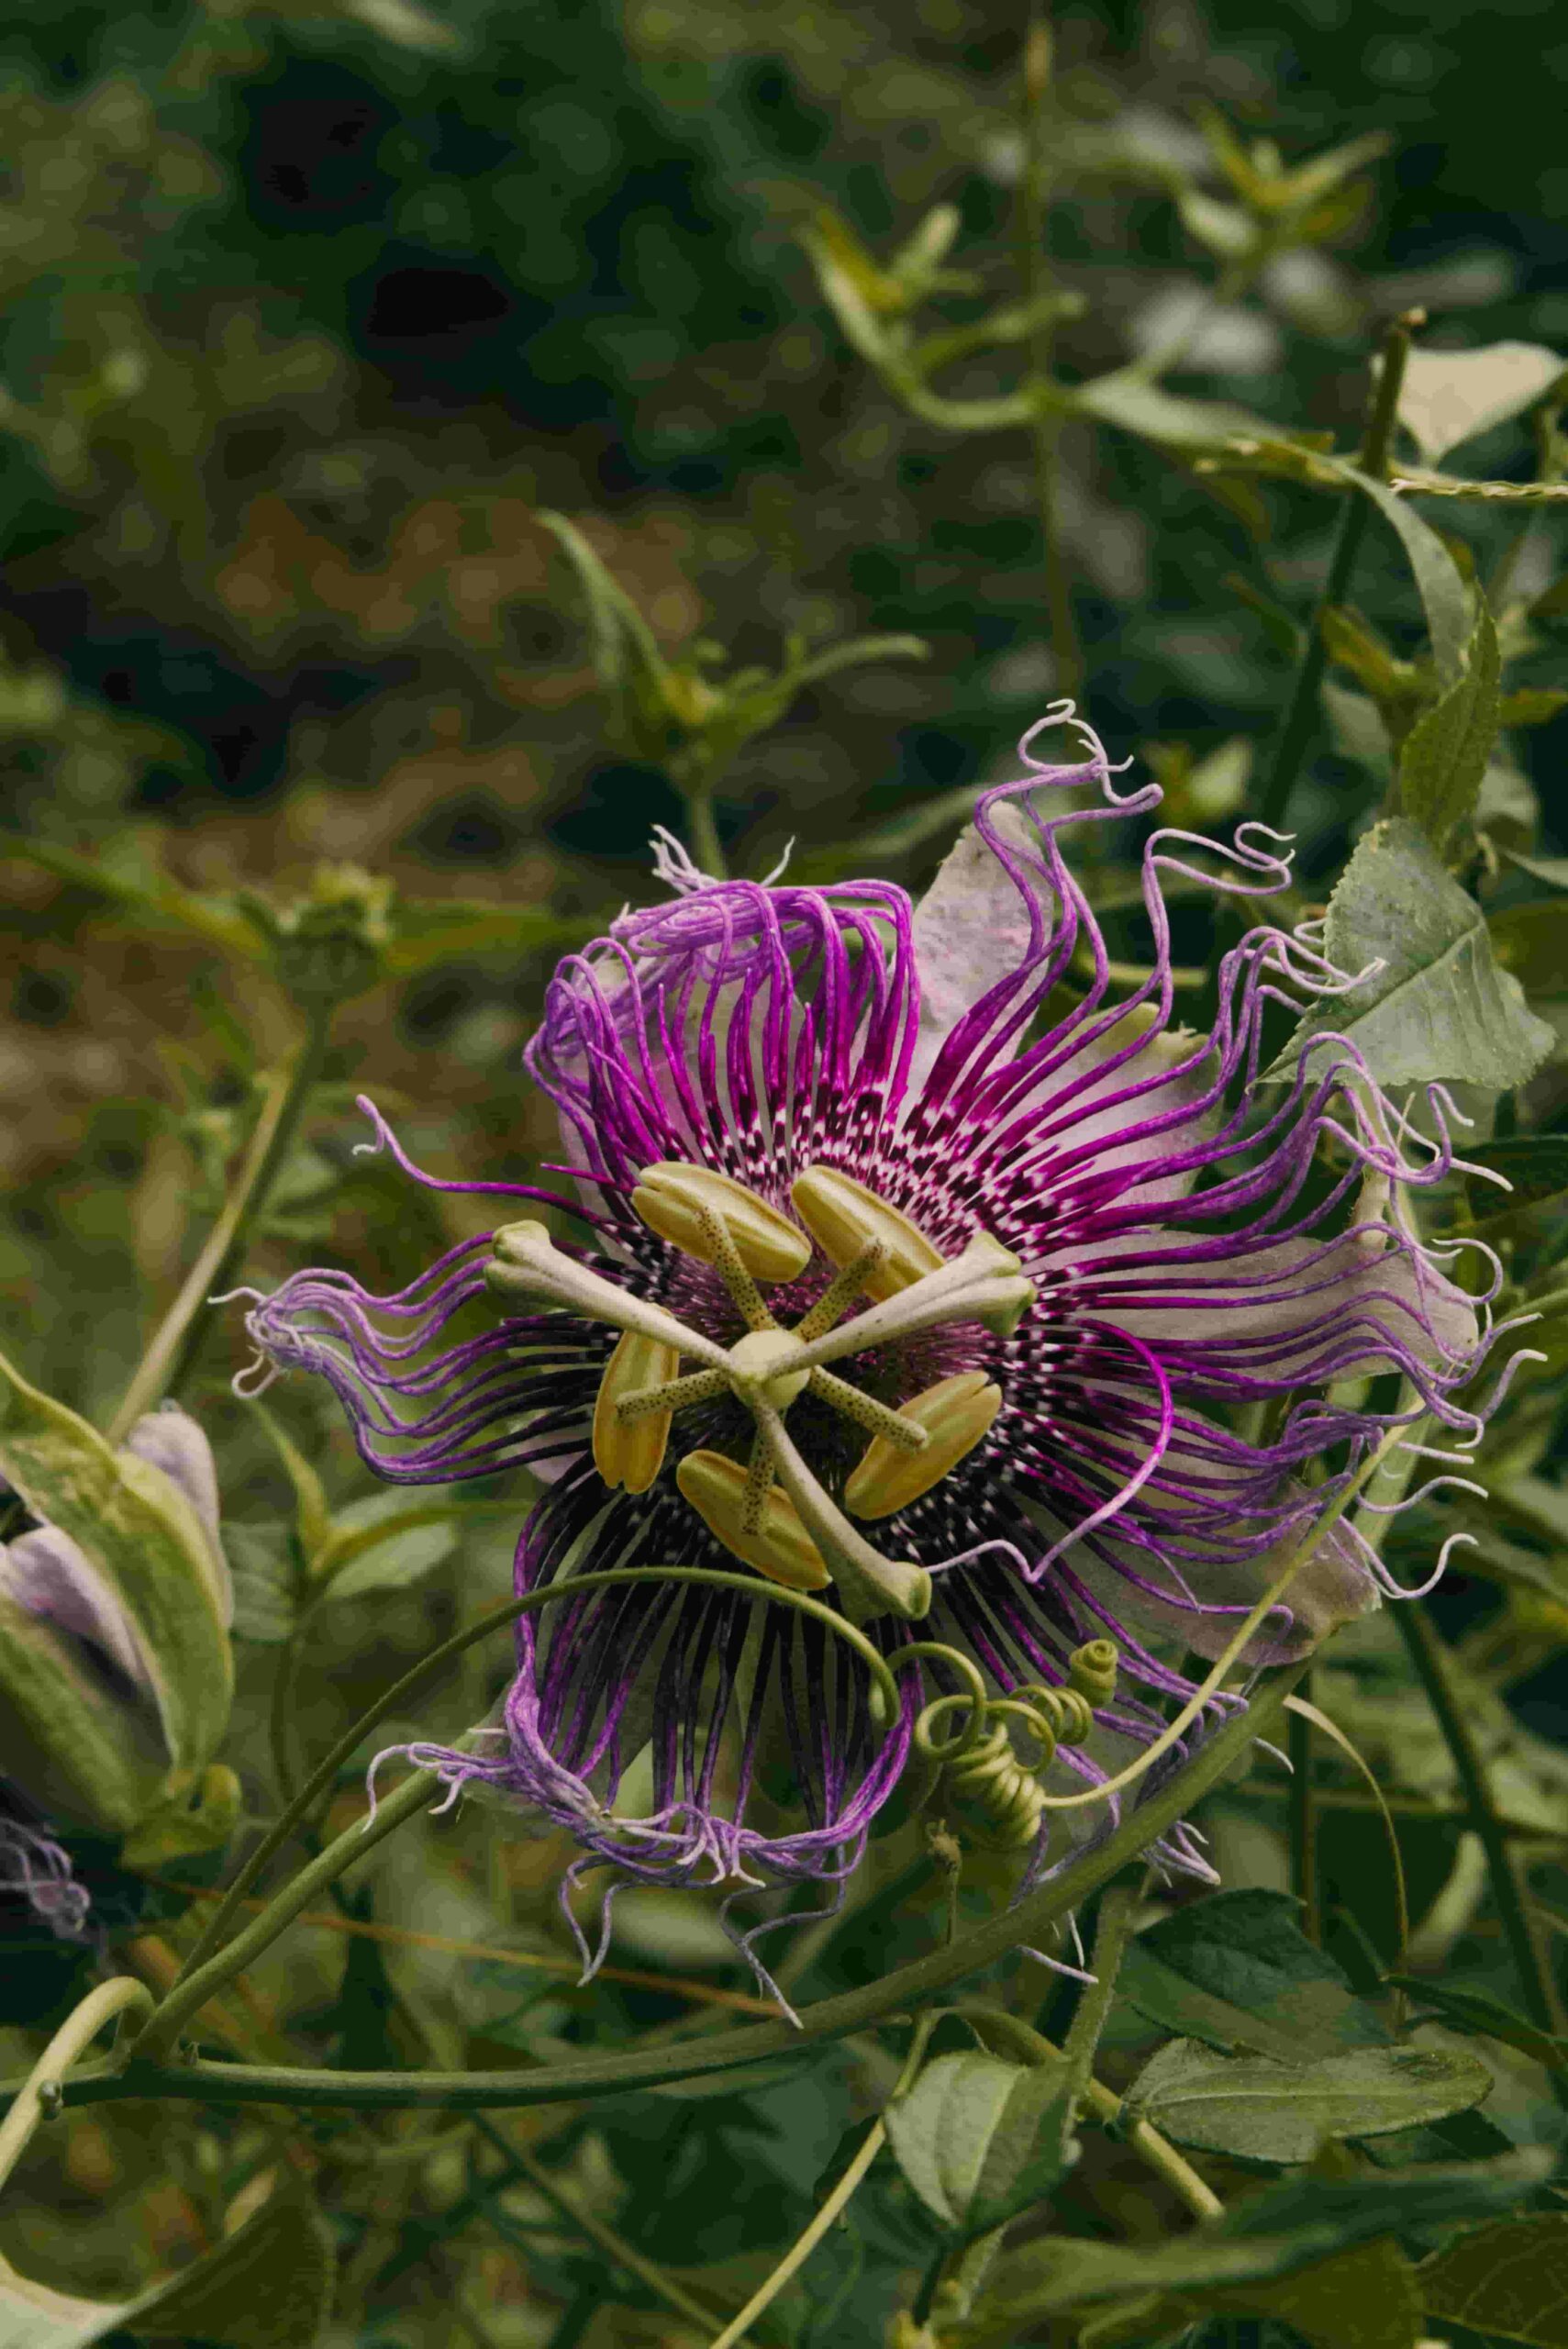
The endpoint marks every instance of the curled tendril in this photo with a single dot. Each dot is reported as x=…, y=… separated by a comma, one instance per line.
x=978, y=1763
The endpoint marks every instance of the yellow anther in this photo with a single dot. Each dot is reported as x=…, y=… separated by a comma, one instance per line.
x=670, y=1199
x=1091, y=1669
x=843, y=1218
x=954, y=1415
x=754, y=1358
x=780, y=1548
x=631, y=1452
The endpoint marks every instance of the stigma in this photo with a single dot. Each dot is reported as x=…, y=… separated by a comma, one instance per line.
x=772, y=1510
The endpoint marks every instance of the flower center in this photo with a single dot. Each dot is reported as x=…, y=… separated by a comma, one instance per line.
x=798, y=1535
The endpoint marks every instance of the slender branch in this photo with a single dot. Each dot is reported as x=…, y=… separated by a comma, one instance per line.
x=622, y=2070
x=1045, y=429
x=1105, y=2105
x=1303, y=1821
x=580, y=2211
x=837, y=2200
x=39, y=2092
x=707, y=850
x=196, y=1985
x=172, y=1356
x=1301, y=711
x=671, y=1986
x=1118, y=1907
x=1428, y=1654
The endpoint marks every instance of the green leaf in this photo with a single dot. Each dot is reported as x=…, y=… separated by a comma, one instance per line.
x=624, y=647
x=137, y=1530
x=1478, y=2011
x=1286, y=2230
x=267, y=2286
x=425, y=935
x=966, y=2130
x=313, y=1513
x=1450, y=396
x=1364, y=2298
x=1535, y=1165
x=1257, y=2109
x=1509, y=2281
x=385, y=1542
x=190, y=1823
x=1444, y=595
x=1552, y=870
x=1126, y=400
x=1532, y=705
x=1446, y=752
x=1236, y=1971
x=1531, y=942
x=260, y=1559
x=1439, y=1009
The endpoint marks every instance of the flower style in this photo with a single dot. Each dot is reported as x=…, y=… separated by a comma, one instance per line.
x=915, y=1267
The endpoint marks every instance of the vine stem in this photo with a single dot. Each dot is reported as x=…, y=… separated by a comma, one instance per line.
x=39, y=2092
x=1303, y=1820
x=581, y=2214
x=1301, y=711
x=196, y=1985
x=1118, y=1907
x=1034, y=273
x=172, y=1356
x=1426, y=1652
x=708, y=851
x=619, y=2071
x=837, y=2200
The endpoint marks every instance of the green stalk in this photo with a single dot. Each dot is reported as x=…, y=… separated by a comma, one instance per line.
x=833, y=2205
x=1303, y=1821
x=707, y=854
x=1428, y=1654
x=1118, y=1908
x=197, y=1986
x=621, y=2070
x=1035, y=275
x=172, y=1356
x=1301, y=711
x=580, y=2213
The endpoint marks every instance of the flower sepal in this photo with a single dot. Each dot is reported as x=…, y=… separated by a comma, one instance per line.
x=117, y=1607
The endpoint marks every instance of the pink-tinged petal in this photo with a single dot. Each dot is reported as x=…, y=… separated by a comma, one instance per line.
x=49, y=1577
x=1127, y=1102
x=1296, y=1307
x=972, y=929
x=1333, y=1586
x=171, y=1439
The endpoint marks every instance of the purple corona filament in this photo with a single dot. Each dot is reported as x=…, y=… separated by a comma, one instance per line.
x=1209, y=1252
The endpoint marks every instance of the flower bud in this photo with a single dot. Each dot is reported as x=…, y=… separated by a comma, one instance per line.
x=954, y=1415
x=781, y=1548
x=332, y=944
x=842, y=1216
x=670, y=1197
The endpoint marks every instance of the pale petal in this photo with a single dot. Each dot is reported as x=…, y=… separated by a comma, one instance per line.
x=1300, y=1294
x=49, y=1577
x=971, y=930
x=1332, y=1585
x=172, y=1441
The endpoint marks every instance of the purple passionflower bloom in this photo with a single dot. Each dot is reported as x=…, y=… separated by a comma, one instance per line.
x=1103, y=1305
x=53, y=1597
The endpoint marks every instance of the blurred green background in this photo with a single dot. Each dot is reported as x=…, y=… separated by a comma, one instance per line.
x=307, y=310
